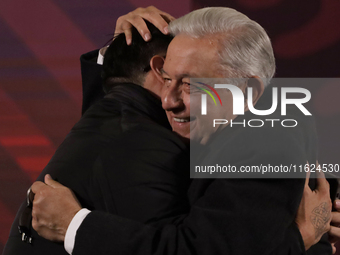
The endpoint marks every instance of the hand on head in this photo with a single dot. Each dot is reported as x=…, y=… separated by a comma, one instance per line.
x=136, y=19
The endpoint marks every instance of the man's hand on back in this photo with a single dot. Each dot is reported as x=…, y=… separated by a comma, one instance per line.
x=54, y=206
x=314, y=213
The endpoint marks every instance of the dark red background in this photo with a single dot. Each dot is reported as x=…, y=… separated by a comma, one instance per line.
x=40, y=87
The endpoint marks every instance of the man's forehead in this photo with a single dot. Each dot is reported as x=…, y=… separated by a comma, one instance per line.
x=195, y=48
x=192, y=57
x=183, y=74
x=208, y=40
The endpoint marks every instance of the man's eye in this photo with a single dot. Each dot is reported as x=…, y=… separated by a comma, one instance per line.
x=166, y=79
x=195, y=89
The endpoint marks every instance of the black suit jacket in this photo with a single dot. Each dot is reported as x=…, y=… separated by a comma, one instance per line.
x=227, y=216
x=120, y=158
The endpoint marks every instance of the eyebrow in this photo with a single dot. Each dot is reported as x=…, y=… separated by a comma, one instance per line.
x=185, y=75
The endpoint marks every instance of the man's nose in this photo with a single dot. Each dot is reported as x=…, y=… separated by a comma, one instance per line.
x=172, y=98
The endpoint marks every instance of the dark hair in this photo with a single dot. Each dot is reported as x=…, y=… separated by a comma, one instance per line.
x=130, y=63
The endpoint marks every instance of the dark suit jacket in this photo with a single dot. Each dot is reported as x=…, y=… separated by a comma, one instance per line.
x=227, y=216
x=119, y=158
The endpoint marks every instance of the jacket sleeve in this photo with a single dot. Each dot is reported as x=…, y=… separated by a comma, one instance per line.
x=206, y=230
x=230, y=216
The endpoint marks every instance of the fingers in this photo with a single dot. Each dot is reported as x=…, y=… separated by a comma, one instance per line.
x=158, y=20
x=307, y=189
x=322, y=184
x=333, y=248
x=167, y=17
x=307, y=178
x=40, y=186
x=336, y=204
x=336, y=218
x=334, y=234
x=37, y=186
x=128, y=36
x=136, y=19
x=157, y=17
x=128, y=21
x=50, y=182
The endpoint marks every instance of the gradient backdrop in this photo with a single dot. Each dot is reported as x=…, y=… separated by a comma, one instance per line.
x=40, y=85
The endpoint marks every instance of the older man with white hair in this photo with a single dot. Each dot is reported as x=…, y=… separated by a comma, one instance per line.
x=227, y=216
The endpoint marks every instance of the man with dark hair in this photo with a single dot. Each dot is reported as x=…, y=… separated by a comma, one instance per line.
x=130, y=63
x=124, y=63
x=121, y=157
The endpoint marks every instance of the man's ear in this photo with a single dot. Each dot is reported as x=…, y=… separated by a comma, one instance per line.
x=257, y=85
x=156, y=64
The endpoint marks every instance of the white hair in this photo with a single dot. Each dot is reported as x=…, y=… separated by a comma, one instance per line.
x=245, y=50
